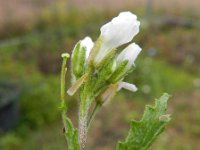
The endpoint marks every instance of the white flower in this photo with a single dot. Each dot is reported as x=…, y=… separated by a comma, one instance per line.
x=127, y=86
x=119, y=31
x=88, y=44
x=130, y=53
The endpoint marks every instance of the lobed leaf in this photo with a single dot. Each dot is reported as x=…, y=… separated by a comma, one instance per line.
x=145, y=131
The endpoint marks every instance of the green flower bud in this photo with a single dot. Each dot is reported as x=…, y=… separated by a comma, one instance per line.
x=79, y=56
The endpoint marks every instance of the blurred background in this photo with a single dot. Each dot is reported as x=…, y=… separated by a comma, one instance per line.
x=34, y=33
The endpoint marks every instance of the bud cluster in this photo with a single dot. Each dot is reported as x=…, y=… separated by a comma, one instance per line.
x=98, y=65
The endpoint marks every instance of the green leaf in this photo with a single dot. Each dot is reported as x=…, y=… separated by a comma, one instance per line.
x=71, y=135
x=145, y=131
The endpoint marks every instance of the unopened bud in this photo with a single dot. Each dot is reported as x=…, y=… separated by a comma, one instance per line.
x=80, y=54
x=125, y=62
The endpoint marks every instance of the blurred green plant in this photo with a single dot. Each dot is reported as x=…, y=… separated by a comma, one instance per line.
x=156, y=76
x=10, y=142
x=38, y=108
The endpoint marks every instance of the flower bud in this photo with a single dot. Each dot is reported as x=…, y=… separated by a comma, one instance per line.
x=119, y=31
x=130, y=53
x=79, y=56
x=125, y=62
x=88, y=44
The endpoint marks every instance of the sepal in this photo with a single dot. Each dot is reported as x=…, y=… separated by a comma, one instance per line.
x=94, y=51
x=119, y=72
x=99, y=57
x=78, y=60
x=107, y=70
x=72, y=90
x=100, y=62
x=108, y=94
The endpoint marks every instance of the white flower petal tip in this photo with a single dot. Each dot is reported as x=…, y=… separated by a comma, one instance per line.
x=120, y=30
x=88, y=44
x=130, y=53
x=127, y=86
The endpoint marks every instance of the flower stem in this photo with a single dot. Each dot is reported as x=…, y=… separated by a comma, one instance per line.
x=62, y=90
x=83, y=131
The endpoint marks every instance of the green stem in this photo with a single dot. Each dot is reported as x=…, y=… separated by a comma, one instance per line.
x=94, y=112
x=62, y=90
x=83, y=130
x=83, y=116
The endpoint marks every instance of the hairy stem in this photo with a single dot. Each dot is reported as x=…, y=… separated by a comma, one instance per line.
x=83, y=131
x=83, y=118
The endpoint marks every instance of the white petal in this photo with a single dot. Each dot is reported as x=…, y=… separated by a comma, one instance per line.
x=130, y=53
x=120, y=30
x=127, y=86
x=88, y=43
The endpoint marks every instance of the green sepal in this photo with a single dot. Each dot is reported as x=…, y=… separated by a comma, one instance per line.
x=102, y=77
x=77, y=84
x=93, y=53
x=75, y=56
x=107, y=70
x=95, y=84
x=106, y=59
x=145, y=131
x=71, y=135
x=119, y=73
x=78, y=60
